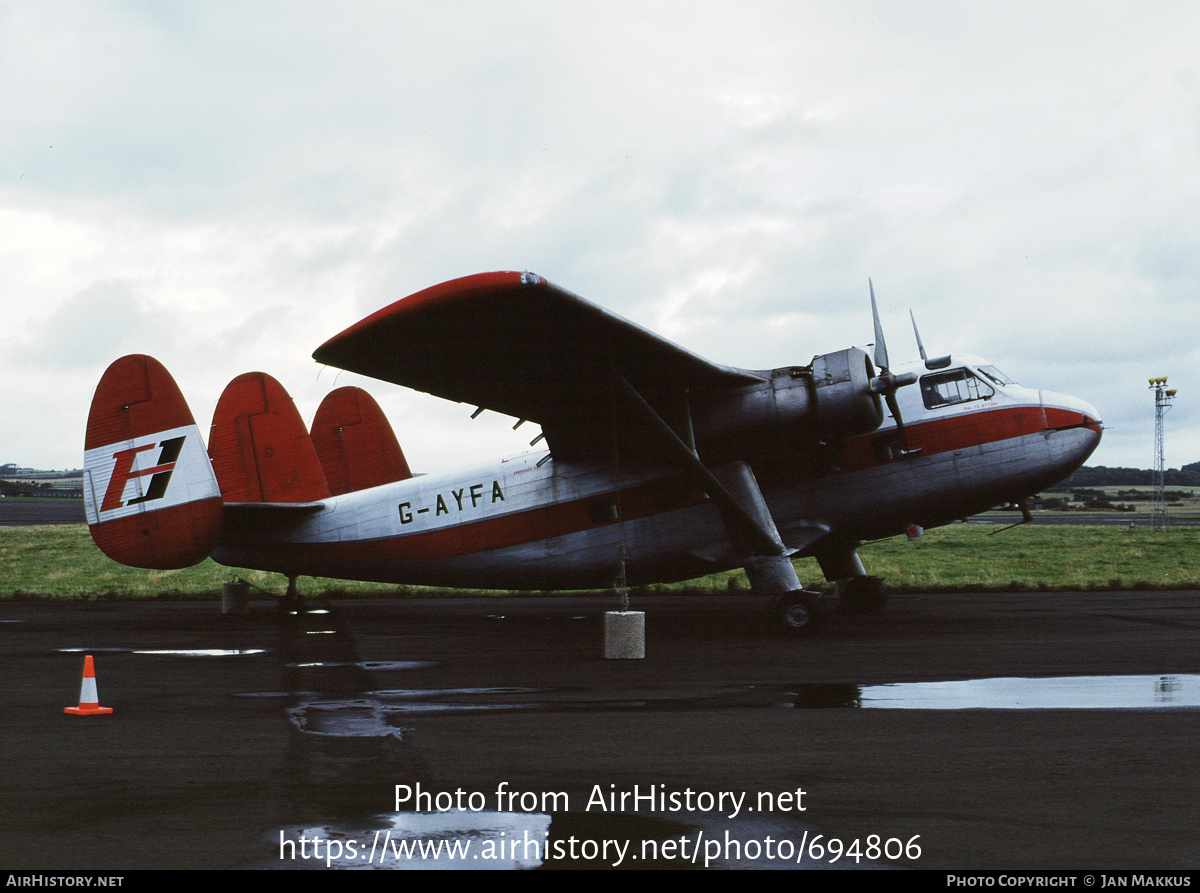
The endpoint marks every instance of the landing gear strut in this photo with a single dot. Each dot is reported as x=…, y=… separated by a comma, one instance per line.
x=292, y=601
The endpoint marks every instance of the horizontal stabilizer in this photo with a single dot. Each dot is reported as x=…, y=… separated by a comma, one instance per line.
x=258, y=519
x=355, y=443
x=260, y=449
x=150, y=495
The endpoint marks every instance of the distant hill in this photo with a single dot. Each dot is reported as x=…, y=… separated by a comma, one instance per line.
x=11, y=471
x=16, y=480
x=1103, y=476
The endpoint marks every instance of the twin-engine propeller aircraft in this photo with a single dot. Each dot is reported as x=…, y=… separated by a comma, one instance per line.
x=661, y=466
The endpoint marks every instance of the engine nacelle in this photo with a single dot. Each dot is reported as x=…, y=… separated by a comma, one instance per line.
x=845, y=403
x=829, y=399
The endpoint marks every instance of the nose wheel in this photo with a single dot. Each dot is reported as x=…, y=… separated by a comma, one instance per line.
x=799, y=612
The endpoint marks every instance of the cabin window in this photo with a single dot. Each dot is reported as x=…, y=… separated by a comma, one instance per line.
x=996, y=375
x=955, y=386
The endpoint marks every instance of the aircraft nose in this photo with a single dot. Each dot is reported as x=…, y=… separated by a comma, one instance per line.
x=1063, y=411
x=1070, y=414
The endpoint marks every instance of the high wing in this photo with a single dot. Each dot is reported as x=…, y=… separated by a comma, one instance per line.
x=519, y=345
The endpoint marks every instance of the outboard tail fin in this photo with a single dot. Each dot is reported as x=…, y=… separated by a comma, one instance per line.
x=355, y=443
x=260, y=448
x=150, y=495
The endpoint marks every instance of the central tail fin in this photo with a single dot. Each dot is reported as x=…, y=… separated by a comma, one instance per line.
x=150, y=495
x=260, y=448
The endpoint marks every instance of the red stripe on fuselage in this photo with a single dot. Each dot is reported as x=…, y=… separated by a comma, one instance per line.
x=677, y=492
x=543, y=522
x=959, y=432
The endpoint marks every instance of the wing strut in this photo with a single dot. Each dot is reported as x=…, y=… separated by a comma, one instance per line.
x=741, y=502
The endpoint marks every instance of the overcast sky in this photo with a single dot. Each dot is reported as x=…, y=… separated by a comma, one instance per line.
x=225, y=185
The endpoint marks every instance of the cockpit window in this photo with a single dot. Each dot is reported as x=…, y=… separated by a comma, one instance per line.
x=996, y=375
x=955, y=386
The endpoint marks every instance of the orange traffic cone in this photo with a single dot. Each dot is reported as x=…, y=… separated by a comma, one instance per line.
x=89, y=701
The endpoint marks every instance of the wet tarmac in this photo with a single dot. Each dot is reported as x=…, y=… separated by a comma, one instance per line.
x=1025, y=731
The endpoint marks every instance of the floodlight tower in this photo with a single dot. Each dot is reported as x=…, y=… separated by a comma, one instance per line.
x=1162, y=403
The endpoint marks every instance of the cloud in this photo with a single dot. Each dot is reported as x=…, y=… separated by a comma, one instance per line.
x=238, y=183
x=92, y=326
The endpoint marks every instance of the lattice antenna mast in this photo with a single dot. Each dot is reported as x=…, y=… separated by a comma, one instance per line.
x=1162, y=403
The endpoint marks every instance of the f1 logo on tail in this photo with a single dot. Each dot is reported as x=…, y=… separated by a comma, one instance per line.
x=148, y=473
x=123, y=473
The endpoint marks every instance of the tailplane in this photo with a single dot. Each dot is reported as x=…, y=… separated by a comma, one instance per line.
x=150, y=495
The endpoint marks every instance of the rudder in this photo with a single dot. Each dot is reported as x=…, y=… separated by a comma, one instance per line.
x=150, y=495
x=355, y=444
x=260, y=449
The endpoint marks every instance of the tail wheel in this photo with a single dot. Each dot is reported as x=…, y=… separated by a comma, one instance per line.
x=799, y=612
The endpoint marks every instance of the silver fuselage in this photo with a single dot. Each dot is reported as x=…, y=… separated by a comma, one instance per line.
x=972, y=439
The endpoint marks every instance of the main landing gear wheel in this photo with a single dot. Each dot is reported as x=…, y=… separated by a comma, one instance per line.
x=863, y=595
x=799, y=612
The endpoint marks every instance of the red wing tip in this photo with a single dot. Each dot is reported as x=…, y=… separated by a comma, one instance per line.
x=478, y=283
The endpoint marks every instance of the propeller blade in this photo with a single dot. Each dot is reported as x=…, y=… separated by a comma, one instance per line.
x=920, y=346
x=881, y=356
x=887, y=383
x=894, y=407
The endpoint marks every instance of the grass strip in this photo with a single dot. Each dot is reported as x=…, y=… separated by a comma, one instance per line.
x=60, y=562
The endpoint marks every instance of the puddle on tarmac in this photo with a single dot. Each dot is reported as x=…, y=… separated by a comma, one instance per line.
x=205, y=652
x=371, y=666
x=382, y=665
x=174, y=652
x=348, y=718
x=1014, y=693
x=370, y=715
x=341, y=716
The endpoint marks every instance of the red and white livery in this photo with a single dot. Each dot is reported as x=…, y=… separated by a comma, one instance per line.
x=658, y=465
